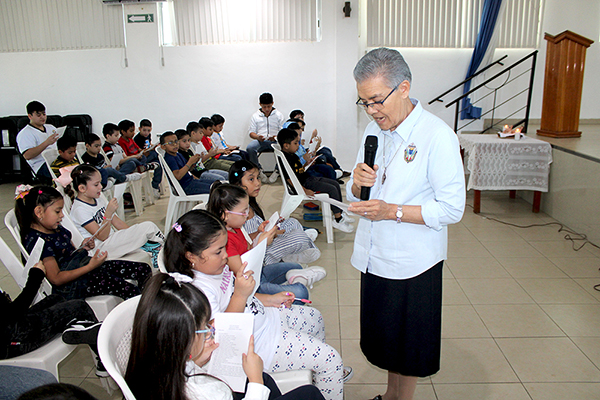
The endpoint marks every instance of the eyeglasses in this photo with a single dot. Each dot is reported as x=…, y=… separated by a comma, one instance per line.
x=377, y=105
x=172, y=142
x=210, y=332
x=244, y=214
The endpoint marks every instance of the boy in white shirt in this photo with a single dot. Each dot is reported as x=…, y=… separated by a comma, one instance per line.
x=36, y=137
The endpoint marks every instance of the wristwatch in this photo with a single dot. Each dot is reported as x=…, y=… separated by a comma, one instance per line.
x=399, y=214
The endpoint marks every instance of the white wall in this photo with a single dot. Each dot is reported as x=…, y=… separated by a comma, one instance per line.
x=202, y=80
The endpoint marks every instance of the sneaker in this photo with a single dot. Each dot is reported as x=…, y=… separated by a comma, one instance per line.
x=151, y=166
x=110, y=182
x=343, y=226
x=338, y=174
x=307, y=276
x=100, y=370
x=82, y=332
x=348, y=374
x=156, y=193
x=273, y=177
x=263, y=177
x=313, y=234
x=347, y=218
x=303, y=257
x=134, y=176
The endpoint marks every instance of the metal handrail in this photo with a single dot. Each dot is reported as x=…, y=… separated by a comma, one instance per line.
x=439, y=98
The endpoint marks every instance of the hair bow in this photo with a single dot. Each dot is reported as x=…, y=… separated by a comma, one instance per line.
x=177, y=227
x=180, y=278
x=22, y=191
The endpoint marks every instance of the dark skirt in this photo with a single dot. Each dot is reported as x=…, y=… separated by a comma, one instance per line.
x=401, y=322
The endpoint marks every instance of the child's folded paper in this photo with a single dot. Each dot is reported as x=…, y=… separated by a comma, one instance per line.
x=254, y=257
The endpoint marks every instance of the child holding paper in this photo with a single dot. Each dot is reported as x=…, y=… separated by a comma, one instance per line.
x=72, y=272
x=96, y=217
x=173, y=314
x=231, y=204
x=285, y=338
x=294, y=244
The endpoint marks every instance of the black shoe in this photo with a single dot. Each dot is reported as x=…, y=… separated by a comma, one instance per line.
x=346, y=174
x=82, y=332
x=100, y=370
x=340, y=181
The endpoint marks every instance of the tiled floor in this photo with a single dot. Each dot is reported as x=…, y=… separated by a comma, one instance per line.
x=521, y=319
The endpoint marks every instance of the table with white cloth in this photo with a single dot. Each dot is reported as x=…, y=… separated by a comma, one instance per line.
x=506, y=164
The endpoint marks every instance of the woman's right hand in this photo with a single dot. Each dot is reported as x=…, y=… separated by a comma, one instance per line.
x=97, y=260
x=364, y=176
x=252, y=364
x=244, y=282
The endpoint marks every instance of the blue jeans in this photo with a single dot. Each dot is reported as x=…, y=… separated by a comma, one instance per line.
x=322, y=170
x=157, y=176
x=130, y=166
x=272, y=280
x=198, y=186
x=106, y=173
x=329, y=158
x=256, y=147
x=14, y=381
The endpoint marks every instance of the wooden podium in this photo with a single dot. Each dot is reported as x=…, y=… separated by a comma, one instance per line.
x=563, y=83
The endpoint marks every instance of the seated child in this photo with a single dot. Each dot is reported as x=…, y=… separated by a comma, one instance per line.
x=173, y=314
x=144, y=138
x=149, y=156
x=71, y=271
x=111, y=147
x=181, y=167
x=95, y=217
x=294, y=244
x=232, y=153
x=93, y=157
x=36, y=137
x=231, y=204
x=199, y=171
x=197, y=133
x=285, y=336
x=325, y=152
x=25, y=328
x=318, y=167
x=67, y=155
x=289, y=142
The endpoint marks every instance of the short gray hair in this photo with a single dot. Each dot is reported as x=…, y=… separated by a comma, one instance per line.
x=383, y=62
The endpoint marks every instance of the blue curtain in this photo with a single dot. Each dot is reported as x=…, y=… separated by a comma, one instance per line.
x=489, y=15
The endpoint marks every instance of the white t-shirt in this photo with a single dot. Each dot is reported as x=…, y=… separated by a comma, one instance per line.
x=218, y=139
x=30, y=137
x=218, y=289
x=83, y=213
x=206, y=387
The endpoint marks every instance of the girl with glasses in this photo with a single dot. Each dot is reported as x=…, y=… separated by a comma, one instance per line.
x=172, y=340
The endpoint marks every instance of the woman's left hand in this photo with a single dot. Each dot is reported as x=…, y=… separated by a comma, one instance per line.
x=375, y=210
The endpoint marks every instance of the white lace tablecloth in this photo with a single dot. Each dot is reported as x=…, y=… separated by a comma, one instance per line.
x=506, y=164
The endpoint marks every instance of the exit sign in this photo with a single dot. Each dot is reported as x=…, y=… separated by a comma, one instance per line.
x=134, y=18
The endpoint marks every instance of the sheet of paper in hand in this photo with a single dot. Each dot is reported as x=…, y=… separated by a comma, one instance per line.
x=232, y=332
x=254, y=257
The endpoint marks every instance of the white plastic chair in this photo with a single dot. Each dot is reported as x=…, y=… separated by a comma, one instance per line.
x=101, y=305
x=51, y=354
x=292, y=201
x=179, y=202
x=114, y=346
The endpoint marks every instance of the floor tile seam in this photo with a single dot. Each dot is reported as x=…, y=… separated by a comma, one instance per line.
x=597, y=365
x=507, y=360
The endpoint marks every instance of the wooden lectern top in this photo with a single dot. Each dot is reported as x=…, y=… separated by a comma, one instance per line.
x=582, y=40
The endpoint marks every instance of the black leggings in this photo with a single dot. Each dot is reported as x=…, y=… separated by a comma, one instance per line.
x=42, y=322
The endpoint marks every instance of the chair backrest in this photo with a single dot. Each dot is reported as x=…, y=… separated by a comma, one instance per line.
x=291, y=200
x=114, y=342
x=80, y=150
x=10, y=220
x=174, y=185
x=16, y=268
x=50, y=154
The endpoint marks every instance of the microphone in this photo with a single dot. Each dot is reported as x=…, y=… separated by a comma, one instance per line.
x=370, y=151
